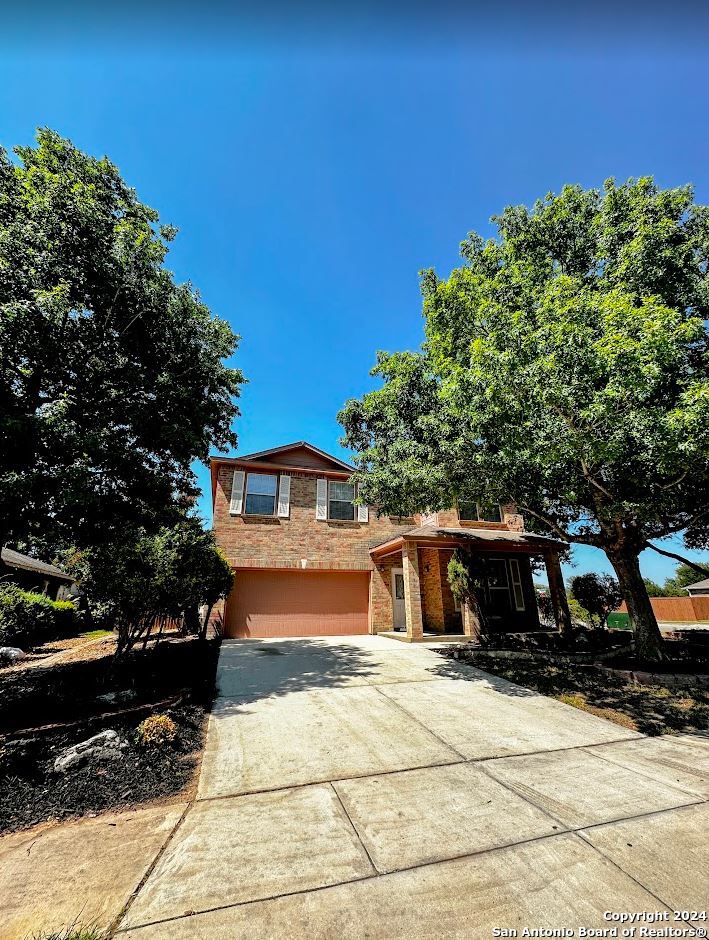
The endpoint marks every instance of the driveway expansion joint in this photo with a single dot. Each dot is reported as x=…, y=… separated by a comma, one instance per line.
x=497, y=699
x=115, y=924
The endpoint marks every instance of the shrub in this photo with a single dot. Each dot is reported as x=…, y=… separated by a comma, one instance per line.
x=459, y=577
x=156, y=731
x=28, y=619
x=579, y=614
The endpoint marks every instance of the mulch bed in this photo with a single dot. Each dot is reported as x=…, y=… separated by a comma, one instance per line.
x=43, y=711
x=31, y=792
x=651, y=710
x=68, y=691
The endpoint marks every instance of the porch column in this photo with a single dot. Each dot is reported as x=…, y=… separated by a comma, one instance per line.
x=557, y=592
x=471, y=620
x=412, y=591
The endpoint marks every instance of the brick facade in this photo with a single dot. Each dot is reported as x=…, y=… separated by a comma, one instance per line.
x=269, y=542
x=303, y=541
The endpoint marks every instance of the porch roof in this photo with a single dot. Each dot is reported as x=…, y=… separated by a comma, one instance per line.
x=503, y=539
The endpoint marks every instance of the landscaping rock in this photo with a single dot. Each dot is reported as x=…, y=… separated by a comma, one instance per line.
x=106, y=745
x=11, y=654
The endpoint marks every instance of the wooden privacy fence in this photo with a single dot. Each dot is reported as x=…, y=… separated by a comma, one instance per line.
x=678, y=609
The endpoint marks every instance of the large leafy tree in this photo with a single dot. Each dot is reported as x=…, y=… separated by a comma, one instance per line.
x=145, y=578
x=112, y=376
x=566, y=368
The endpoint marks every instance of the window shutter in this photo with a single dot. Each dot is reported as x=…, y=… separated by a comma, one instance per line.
x=237, y=493
x=321, y=507
x=517, y=584
x=363, y=514
x=284, y=496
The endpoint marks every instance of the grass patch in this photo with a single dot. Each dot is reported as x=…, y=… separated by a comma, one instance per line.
x=97, y=634
x=648, y=709
x=72, y=933
x=578, y=700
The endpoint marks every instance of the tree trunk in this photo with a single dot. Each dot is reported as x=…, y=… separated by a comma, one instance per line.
x=648, y=639
x=557, y=594
x=205, y=623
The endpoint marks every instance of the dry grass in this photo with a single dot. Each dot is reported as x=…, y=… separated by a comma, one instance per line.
x=648, y=709
x=578, y=700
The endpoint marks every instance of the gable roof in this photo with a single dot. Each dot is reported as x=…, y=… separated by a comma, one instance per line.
x=304, y=456
x=298, y=445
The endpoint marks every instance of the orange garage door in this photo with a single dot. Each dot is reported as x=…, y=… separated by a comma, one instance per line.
x=297, y=603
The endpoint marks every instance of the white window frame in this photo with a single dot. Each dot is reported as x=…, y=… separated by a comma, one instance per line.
x=329, y=500
x=506, y=587
x=260, y=473
x=516, y=586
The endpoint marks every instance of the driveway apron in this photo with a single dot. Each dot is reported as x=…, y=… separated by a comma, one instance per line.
x=356, y=786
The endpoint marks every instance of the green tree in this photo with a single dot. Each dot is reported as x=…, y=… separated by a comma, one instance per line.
x=148, y=578
x=599, y=594
x=684, y=575
x=112, y=376
x=653, y=588
x=566, y=369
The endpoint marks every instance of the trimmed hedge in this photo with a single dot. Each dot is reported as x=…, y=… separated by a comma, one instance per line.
x=28, y=619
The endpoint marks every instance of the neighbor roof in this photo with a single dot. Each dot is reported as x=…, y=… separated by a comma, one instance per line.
x=700, y=585
x=15, y=559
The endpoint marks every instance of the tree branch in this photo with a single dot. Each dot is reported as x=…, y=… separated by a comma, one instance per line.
x=686, y=561
x=668, y=486
x=670, y=530
x=566, y=536
x=584, y=466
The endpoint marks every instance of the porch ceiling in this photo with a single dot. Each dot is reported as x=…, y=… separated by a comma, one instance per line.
x=487, y=539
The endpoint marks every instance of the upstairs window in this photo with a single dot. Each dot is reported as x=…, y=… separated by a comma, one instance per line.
x=489, y=513
x=469, y=511
x=261, y=494
x=340, y=500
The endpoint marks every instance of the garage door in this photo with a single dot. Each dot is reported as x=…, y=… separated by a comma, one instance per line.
x=297, y=603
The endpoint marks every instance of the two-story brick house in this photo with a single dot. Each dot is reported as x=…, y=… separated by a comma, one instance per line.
x=308, y=561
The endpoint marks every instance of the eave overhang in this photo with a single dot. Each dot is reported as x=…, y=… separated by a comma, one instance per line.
x=484, y=540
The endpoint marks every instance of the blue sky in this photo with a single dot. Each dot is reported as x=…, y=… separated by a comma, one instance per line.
x=315, y=166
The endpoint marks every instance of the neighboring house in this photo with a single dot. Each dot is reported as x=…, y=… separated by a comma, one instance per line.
x=34, y=575
x=309, y=562
x=701, y=587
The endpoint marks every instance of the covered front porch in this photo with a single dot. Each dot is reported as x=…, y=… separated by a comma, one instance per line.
x=411, y=598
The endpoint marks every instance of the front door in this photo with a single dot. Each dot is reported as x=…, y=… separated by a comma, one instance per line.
x=397, y=598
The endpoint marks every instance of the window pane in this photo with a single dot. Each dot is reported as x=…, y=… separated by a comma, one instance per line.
x=467, y=511
x=490, y=513
x=342, y=491
x=341, y=496
x=496, y=573
x=262, y=484
x=341, y=510
x=399, y=587
x=258, y=505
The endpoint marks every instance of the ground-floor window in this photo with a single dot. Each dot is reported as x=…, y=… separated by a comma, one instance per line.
x=503, y=592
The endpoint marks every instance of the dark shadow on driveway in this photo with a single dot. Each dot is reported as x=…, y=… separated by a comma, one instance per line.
x=250, y=670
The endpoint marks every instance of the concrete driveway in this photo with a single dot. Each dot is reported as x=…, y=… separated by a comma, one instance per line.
x=360, y=787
